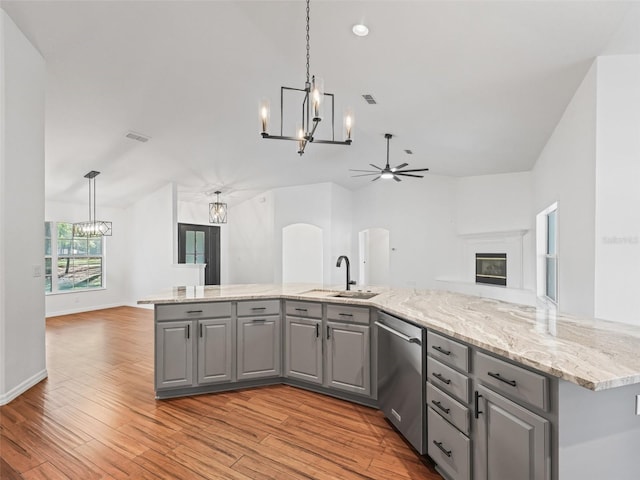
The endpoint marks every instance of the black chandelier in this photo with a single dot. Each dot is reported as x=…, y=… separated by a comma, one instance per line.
x=312, y=110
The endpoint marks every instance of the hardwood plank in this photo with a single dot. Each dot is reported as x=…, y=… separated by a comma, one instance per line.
x=7, y=472
x=45, y=471
x=96, y=417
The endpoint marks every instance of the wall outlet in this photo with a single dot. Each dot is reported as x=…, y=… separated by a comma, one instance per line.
x=637, y=404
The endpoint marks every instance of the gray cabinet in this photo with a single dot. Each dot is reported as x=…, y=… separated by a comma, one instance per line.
x=258, y=347
x=215, y=350
x=348, y=363
x=512, y=442
x=191, y=347
x=303, y=357
x=174, y=354
x=448, y=417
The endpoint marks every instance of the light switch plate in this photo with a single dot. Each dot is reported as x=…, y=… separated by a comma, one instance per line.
x=637, y=404
x=37, y=271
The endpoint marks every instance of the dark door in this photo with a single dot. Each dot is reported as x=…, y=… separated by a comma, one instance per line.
x=200, y=244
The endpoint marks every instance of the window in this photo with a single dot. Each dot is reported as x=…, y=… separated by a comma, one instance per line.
x=547, y=250
x=71, y=263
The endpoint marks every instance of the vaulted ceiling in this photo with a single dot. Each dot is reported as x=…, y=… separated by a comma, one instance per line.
x=471, y=88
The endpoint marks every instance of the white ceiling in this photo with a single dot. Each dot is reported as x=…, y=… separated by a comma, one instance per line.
x=471, y=87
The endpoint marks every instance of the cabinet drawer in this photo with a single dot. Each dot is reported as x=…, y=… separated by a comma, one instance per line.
x=304, y=309
x=346, y=313
x=448, y=379
x=516, y=382
x=448, y=351
x=258, y=307
x=450, y=449
x=193, y=310
x=448, y=408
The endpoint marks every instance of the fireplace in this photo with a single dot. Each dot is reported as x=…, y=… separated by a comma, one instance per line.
x=491, y=268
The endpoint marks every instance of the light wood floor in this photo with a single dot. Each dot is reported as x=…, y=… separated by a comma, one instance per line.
x=95, y=417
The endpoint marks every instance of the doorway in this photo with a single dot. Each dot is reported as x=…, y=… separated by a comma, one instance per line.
x=200, y=244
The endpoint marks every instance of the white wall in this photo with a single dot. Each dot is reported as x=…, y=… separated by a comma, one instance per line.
x=22, y=308
x=302, y=254
x=343, y=239
x=494, y=203
x=251, y=241
x=494, y=215
x=565, y=173
x=617, y=189
x=255, y=234
x=116, y=279
x=152, y=248
x=420, y=217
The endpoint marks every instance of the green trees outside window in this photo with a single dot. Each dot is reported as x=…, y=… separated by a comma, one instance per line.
x=72, y=263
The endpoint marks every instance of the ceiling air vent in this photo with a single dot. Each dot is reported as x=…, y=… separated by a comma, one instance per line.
x=137, y=136
x=369, y=99
x=408, y=152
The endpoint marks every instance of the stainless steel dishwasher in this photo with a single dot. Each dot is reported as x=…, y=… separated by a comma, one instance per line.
x=402, y=377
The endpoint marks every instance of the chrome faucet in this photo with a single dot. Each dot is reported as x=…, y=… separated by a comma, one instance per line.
x=339, y=262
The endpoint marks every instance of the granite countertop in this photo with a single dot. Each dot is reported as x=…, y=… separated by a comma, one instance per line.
x=594, y=354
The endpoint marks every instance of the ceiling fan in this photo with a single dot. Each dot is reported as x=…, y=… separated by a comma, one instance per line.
x=388, y=172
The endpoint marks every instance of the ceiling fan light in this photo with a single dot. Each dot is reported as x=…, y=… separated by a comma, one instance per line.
x=360, y=30
x=386, y=175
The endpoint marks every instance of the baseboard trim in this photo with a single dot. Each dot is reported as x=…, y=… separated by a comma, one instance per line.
x=83, y=309
x=23, y=387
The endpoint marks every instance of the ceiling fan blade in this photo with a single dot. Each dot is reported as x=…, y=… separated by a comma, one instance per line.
x=353, y=170
x=364, y=175
x=416, y=170
x=409, y=175
x=402, y=165
x=397, y=179
x=377, y=178
x=375, y=166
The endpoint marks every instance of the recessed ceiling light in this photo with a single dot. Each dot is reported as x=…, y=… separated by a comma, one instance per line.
x=360, y=30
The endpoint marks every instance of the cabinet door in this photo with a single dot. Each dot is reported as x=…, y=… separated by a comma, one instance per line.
x=214, y=351
x=258, y=347
x=303, y=358
x=513, y=442
x=348, y=359
x=174, y=354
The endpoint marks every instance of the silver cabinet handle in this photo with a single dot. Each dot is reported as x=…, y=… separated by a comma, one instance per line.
x=258, y=309
x=259, y=320
x=398, y=334
x=200, y=330
x=194, y=311
x=188, y=332
x=301, y=310
x=345, y=314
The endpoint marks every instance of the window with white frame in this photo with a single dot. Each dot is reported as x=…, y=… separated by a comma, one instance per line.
x=547, y=250
x=72, y=263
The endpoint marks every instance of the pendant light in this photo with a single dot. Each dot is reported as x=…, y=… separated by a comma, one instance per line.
x=217, y=210
x=94, y=227
x=314, y=98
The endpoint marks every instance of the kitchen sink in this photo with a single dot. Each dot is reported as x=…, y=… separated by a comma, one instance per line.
x=341, y=294
x=358, y=295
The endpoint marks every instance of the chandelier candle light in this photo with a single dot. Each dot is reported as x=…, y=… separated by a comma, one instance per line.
x=94, y=227
x=312, y=109
x=217, y=210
